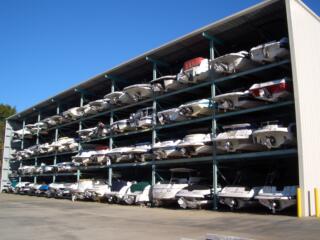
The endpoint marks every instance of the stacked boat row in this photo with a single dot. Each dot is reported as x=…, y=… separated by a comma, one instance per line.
x=193, y=71
x=63, y=167
x=232, y=138
x=185, y=188
x=63, y=144
x=258, y=94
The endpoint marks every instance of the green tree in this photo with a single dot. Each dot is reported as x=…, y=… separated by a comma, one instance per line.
x=5, y=111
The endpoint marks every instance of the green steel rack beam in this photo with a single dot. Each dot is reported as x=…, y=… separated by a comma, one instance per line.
x=219, y=158
x=256, y=155
x=190, y=121
x=118, y=135
x=256, y=109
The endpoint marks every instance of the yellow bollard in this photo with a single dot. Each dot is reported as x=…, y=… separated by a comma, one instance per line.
x=299, y=203
x=316, y=199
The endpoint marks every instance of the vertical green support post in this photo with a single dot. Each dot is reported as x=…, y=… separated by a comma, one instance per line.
x=110, y=176
x=80, y=128
x=111, y=138
x=22, y=141
x=212, y=40
x=154, y=123
x=78, y=175
x=213, y=132
x=37, y=142
x=56, y=135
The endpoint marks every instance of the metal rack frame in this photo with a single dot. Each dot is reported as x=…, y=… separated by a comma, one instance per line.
x=213, y=159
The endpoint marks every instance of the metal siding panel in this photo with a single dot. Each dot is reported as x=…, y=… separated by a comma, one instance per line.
x=6, y=155
x=305, y=51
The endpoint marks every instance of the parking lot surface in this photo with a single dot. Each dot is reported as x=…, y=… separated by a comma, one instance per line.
x=25, y=217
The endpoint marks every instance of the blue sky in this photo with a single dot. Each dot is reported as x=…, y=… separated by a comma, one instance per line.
x=47, y=46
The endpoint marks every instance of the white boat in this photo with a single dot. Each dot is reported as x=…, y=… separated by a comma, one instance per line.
x=114, y=98
x=170, y=115
x=19, y=186
x=53, y=188
x=165, y=192
x=45, y=148
x=32, y=128
x=83, y=157
x=50, y=121
x=26, y=170
x=25, y=189
x=88, y=110
x=196, y=144
x=139, y=92
x=78, y=193
x=118, y=190
x=167, y=149
x=277, y=199
x=66, y=167
x=98, y=191
x=198, y=108
x=121, y=126
x=100, y=105
x=272, y=91
x=121, y=154
x=22, y=133
x=275, y=135
x=73, y=113
x=43, y=168
x=237, y=137
x=271, y=51
x=38, y=170
x=85, y=134
x=138, y=193
x=96, y=132
x=33, y=189
x=100, y=157
x=39, y=127
x=65, y=190
x=168, y=83
x=142, y=119
x=232, y=63
x=194, y=70
x=237, y=197
x=64, y=144
x=100, y=131
x=195, y=196
x=54, y=120
x=140, y=152
x=236, y=100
